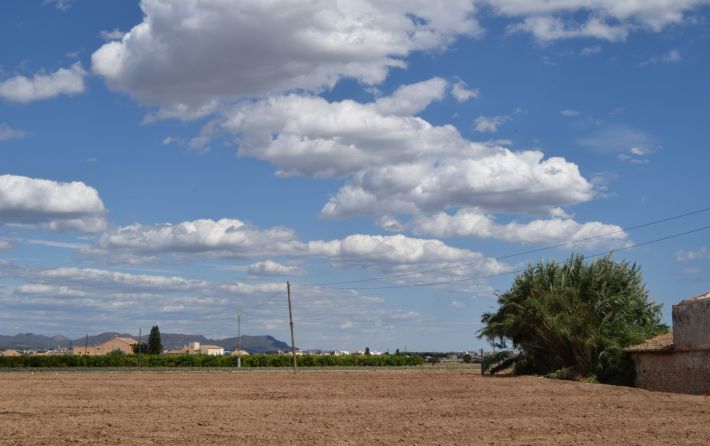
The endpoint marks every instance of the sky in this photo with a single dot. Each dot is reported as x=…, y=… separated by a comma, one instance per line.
x=173, y=162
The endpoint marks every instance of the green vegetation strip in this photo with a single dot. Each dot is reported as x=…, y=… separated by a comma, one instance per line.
x=200, y=361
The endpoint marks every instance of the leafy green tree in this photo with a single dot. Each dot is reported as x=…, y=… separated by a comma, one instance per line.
x=367, y=351
x=467, y=358
x=573, y=319
x=154, y=345
x=140, y=348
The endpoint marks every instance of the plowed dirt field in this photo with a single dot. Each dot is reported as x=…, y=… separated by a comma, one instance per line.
x=420, y=406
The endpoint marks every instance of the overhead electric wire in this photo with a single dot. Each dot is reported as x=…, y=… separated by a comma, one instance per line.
x=507, y=256
x=403, y=323
x=446, y=282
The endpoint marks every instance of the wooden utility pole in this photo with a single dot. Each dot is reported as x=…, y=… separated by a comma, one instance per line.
x=290, y=319
x=139, y=346
x=86, y=350
x=239, y=339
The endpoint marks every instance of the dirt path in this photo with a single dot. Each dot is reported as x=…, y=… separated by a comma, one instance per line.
x=337, y=407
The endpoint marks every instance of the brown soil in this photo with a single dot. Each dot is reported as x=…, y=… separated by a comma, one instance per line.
x=337, y=407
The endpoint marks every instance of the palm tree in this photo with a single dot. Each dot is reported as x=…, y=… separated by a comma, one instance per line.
x=573, y=319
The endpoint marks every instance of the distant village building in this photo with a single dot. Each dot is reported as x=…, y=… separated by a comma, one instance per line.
x=194, y=348
x=339, y=352
x=678, y=361
x=211, y=350
x=10, y=353
x=237, y=352
x=124, y=345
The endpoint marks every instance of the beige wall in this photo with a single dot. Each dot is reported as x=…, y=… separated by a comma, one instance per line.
x=691, y=324
x=681, y=372
x=105, y=348
x=10, y=353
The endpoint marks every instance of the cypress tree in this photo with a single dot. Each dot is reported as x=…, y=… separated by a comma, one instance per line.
x=154, y=345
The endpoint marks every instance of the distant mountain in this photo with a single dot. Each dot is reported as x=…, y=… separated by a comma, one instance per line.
x=30, y=341
x=252, y=344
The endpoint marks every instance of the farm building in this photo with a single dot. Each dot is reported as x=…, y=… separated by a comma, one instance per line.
x=10, y=353
x=125, y=345
x=678, y=361
x=195, y=348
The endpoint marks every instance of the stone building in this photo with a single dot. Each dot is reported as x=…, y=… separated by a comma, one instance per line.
x=678, y=361
x=124, y=345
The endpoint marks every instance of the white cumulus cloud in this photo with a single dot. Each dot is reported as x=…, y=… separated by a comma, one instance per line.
x=188, y=56
x=462, y=93
x=64, y=81
x=113, y=280
x=271, y=268
x=228, y=238
x=474, y=223
x=546, y=29
x=398, y=164
x=57, y=205
x=397, y=252
x=603, y=19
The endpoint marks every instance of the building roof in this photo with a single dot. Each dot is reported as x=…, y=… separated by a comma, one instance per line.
x=208, y=346
x=660, y=343
x=703, y=296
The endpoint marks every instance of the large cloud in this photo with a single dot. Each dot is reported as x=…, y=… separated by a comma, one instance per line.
x=396, y=163
x=103, y=279
x=398, y=252
x=475, y=223
x=222, y=238
x=57, y=205
x=187, y=56
x=499, y=181
x=67, y=81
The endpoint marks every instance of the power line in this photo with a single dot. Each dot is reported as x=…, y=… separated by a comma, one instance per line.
x=466, y=279
x=397, y=323
x=516, y=254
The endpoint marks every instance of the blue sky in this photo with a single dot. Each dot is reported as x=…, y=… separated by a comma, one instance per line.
x=173, y=162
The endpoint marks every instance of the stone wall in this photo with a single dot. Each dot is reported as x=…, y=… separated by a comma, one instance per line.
x=679, y=371
x=691, y=324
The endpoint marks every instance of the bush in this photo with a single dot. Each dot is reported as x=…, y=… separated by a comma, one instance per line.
x=206, y=361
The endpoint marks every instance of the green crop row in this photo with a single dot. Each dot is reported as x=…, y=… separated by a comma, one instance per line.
x=206, y=361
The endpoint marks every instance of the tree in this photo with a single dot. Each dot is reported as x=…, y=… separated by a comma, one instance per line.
x=154, y=345
x=140, y=348
x=573, y=319
x=367, y=351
